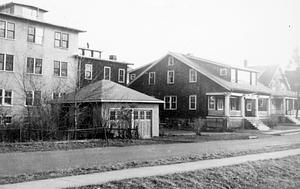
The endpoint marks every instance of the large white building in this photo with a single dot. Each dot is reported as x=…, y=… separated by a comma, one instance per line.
x=37, y=61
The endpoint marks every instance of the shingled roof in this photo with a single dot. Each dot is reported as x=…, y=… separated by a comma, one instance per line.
x=195, y=63
x=107, y=91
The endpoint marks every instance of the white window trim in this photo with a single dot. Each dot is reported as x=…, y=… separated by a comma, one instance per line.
x=85, y=66
x=190, y=102
x=250, y=107
x=170, y=102
x=190, y=78
x=34, y=66
x=171, y=61
x=154, y=75
x=123, y=78
x=222, y=102
x=223, y=71
x=59, y=95
x=5, y=32
x=4, y=61
x=109, y=75
x=61, y=40
x=33, y=97
x=214, y=103
x=35, y=35
x=168, y=80
x=2, y=119
x=3, y=98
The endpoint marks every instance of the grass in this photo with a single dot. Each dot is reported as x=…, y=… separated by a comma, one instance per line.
x=168, y=139
x=134, y=164
x=274, y=173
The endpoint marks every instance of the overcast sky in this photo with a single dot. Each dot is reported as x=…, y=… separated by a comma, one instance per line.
x=141, y=31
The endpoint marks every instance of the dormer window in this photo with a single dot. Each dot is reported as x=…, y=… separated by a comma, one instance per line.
x=223, y=71
x=171, y=61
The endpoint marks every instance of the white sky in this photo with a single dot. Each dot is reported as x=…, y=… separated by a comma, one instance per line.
x=141, y=31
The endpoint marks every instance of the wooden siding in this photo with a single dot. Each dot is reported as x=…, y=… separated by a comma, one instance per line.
x=181, y=88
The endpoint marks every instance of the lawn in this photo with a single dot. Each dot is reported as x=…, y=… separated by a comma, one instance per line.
x=274, y=173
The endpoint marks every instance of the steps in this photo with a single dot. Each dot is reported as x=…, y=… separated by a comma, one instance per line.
x=293, y=119
x=257, y=124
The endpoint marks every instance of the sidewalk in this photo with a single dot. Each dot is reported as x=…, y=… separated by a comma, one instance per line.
x=98, y=178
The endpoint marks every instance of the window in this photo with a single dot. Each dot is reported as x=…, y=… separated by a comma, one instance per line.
x=233, y=75
x=29, y=13
x=170, y=77
x=61, y=40
x=112, y=115
x=121, y=76
x=6, y=62
x=132, y=76
x=34, y=65
x=148, y=114
x=5, y=120
x=171, y=61
x=33, y=98
x=88, y=71
x=107, y=73
x=249, y=106
x=60, y=68
x=253, y=78
x=211, y=103
x=7, y=29
x=234, y=103
x=35, y=35
x=260, y=102
x=5, y=97
x=170, y=102
x=220, y=104
x=193, y=76
x=223, y=71
x=243, y=77
x=193, y=102
x=151, y=78
x=55, y=96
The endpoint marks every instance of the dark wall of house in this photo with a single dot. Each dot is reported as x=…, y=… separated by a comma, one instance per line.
x=181, y=88
x=98, y=71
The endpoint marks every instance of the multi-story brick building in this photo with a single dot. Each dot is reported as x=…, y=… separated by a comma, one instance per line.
x=37, y=59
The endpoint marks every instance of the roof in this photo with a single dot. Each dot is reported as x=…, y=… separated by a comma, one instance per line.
x=101, y=59
x=41, y=22
x=194, y=63
x=10, y=4
x=108, y=91
x=267, y=73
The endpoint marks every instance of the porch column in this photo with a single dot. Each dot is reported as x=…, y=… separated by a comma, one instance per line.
x=293, y=109
x=284, y=106
x=256, y=106
x=269, y=107
x=243, y=106
x=227, y=105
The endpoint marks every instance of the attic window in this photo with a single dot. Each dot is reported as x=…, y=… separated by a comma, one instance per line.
x=223, y=71
x=171, y=61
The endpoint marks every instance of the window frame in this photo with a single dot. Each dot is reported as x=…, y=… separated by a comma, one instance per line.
x=172, y=77
x=87, y=71
x=34, y=101
x=171, y=61
x=4, y=97
x=34, y=68
x=59, y=94
x=152, y=78
x=223, y=71
x=6, y=30
x=60, y=41
x=3, y=120
x=211, y=101
x=168, y=104
x=121, y=78
x=194, y=107
x=60, y=69
x=109, y=73
x=220, y=104
x=132, y=76
x=190, y=76
x=5, y=62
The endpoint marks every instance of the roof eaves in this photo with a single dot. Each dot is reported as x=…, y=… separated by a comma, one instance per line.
x=94, y=58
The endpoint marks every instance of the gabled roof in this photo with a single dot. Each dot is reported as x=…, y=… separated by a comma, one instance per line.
x=268, y=72
x=107, y=91
x=194, y=63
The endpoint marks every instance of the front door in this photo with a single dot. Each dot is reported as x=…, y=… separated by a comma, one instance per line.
x=143, y=120
x=249, y=108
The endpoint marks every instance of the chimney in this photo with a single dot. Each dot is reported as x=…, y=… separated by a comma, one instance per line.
x=112, y=57
x=245, y=63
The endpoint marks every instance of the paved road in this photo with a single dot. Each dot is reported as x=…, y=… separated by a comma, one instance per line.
x=16, y=163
